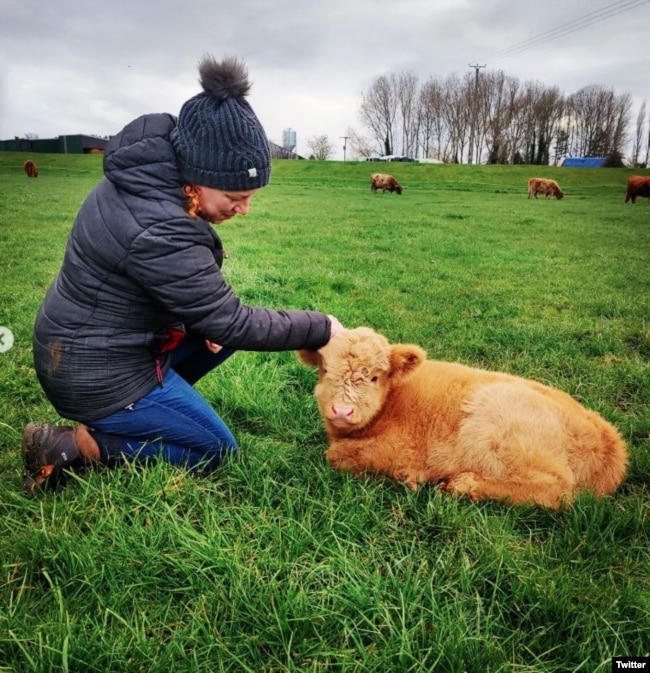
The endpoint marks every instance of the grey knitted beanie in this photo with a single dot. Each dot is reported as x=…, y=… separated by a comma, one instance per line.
x=218, y=140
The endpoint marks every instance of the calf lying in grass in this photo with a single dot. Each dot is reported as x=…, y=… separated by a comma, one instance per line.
x=388, y=410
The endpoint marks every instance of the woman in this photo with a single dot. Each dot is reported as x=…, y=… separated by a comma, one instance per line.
x=139, y=310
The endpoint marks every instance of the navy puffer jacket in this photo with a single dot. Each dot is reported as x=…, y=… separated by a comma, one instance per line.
x=136, y=264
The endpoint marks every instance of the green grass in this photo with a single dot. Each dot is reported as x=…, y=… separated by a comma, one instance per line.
x=277, y=563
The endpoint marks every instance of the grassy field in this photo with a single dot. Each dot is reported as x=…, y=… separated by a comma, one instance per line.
x=277, y=563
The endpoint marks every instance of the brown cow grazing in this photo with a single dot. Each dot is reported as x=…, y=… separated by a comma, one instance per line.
x=384, y=182
x=542, y=186
x=637, y=185
x=486, y=435
x=30, y=168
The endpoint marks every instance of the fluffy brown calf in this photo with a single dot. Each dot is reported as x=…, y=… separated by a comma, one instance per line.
x=388, y=410
x=384, y=182
x=637, y=185
x=30, y=168
x=542, y=186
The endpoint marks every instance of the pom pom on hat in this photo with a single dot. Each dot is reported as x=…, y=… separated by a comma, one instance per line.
x=228, y=79
x=218, y=139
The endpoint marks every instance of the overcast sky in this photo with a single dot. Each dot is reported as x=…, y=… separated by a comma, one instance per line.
x=90, y=66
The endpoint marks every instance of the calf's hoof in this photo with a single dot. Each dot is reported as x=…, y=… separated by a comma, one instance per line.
x=465, y=483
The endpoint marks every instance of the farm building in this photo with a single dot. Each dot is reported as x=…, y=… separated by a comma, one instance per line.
x=80, y=144
x=70, y=144
x=279, y=152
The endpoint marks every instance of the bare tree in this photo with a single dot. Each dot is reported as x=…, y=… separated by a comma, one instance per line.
x=495, y=115
x=476, y=103
x=638, y=135
x=620, y=114
x=647, y=146
x=431, y=127
x=561, y=143
x=456, y=115
x=548, y=109
x=515, y=121
x=498, y=93
x=321, y=147
x=466, y=119
x=407, y=97
x=361, y=145
x=482, y=93
x=600, y=119
x=379, y=109
x=582, y=109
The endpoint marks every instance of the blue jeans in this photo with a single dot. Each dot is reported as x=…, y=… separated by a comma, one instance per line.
x=173, y=421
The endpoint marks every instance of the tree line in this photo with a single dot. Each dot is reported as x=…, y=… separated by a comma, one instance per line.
x=496, y=118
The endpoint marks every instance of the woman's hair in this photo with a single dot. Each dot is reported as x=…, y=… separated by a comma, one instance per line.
x=192, y=201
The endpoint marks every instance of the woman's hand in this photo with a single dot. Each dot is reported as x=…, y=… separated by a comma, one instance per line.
x=213, y=347
x=336, y=326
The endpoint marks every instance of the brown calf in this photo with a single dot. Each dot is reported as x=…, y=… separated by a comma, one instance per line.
x=30, y=168
x=637, y=185
x=543, y=186
x=389, y=410
x=384, y=182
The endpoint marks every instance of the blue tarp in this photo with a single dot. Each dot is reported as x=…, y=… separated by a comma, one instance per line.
x=584, y=162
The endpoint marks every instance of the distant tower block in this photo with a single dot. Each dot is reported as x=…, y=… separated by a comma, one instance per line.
x=289, y=139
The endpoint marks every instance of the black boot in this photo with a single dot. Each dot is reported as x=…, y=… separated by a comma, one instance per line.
x=48, y=451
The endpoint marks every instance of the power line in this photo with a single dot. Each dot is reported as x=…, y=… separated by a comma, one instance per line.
x=566, y=28
x=569, y=27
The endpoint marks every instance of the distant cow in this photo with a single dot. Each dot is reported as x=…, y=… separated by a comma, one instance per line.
x=542, y=186
x=388, y=410
x=637, y=185
x=30, y=168
x=385, y=183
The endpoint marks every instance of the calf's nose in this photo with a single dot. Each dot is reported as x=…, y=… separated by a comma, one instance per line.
x=342, y=413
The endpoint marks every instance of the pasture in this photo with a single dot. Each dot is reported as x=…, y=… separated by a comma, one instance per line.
x=278, y=563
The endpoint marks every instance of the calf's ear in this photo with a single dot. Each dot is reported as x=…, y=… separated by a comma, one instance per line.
x=404, y=358
x=308, y=357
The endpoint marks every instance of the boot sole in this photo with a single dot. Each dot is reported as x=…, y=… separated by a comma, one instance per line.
x=36, y=472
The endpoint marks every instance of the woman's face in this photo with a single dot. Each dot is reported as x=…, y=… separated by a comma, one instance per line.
x=218, y=206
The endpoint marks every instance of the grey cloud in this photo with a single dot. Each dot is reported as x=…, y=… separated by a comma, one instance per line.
x=91, y=65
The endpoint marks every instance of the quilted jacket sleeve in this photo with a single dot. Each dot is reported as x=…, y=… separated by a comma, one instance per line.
x=174, y=261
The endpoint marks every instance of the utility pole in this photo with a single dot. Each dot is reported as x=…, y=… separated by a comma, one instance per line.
x=345, y=144
x=473, y=125
x=476, y=67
